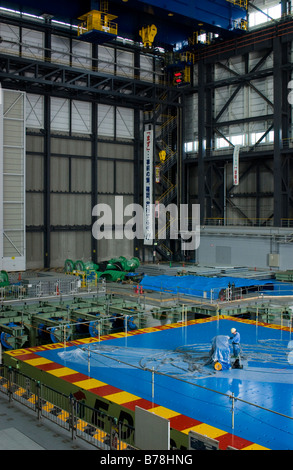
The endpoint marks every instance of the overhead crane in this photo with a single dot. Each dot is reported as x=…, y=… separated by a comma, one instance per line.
x=168, y=23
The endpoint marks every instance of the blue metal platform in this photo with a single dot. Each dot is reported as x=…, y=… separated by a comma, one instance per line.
x=168, y=366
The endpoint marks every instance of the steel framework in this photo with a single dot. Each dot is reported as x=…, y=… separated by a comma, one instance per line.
x=58, y=80
x=275, y=39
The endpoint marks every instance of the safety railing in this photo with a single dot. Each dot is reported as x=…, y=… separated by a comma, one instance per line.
x=91, y=425
x=48, y=289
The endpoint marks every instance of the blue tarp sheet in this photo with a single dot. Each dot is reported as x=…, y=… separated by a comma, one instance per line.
x=199, y=286
x=220, y=351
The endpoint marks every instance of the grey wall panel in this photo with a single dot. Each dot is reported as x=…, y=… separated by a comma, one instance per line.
x=13, y=133
x=72, y=245
x=34, y=250
x=34, y=111
x=12, y=187
x=34, y=173
x=124, y=179
x=251, y=252
x=81, y=117
x=60, y=114
x=286, y=256
x=240, y=246
x=80, y=175
x=59, y=174
x=11, y=35
x=108, y=150
x=35, y=143
x=81, y=54
x=70, y=209
x=106, y=57
x=12, y=160
x=106, y=120
x=105, y=176
x=115, y=248
x=60, y=50
x=35, y=209
x=32, y=44
x=70, y=147
x=125, y=61
x=124, y=123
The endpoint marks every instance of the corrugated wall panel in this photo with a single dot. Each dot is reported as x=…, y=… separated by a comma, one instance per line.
x=81, y=54
x=146, y=68
x=105, y=176
x=59, y=174
x=70, y=209
x=34, y=111
x=114, y=248
x=80, y=175
x=35, y=144
x=35, y=212
x=10, y=35
x=70, y=245
x=34, y=173
x=106, y=56
x=60, y=50
x=124, y=180
x=125, y=62
x=70, y=147
x=106, y=120
x=12, y=186
x=34, y=250
x=60, y=114
x=124, y=123
x=32, y=44
x=81, y=121
x=191, y=125
x=108, y=150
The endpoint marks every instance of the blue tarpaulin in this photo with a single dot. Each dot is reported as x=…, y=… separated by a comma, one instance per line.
x=220, y=351
x=201, y=286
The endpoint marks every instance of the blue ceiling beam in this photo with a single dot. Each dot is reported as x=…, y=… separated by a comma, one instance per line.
x=217, y=13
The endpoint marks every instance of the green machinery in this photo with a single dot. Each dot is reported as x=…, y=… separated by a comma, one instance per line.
x=113, y=270
x=44, y=322
x=4, y=279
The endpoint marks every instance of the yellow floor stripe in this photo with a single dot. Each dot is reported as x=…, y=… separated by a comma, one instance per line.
x=89, y=383
x=206, y=430
x=121, y=397
x=60, y=372
x=163, y=412
x=255, y=447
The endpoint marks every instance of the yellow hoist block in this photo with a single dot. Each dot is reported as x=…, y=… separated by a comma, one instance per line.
x=148, y=35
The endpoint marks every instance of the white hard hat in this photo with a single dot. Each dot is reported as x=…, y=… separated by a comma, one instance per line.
x=233, y=330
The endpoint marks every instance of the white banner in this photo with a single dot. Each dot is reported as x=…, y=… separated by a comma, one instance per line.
x=236, y=165
x=148, y=188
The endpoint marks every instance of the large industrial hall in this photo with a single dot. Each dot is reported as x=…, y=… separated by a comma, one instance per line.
x=146, y=227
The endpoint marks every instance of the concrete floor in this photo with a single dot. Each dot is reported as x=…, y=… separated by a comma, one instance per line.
x=20, y=429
